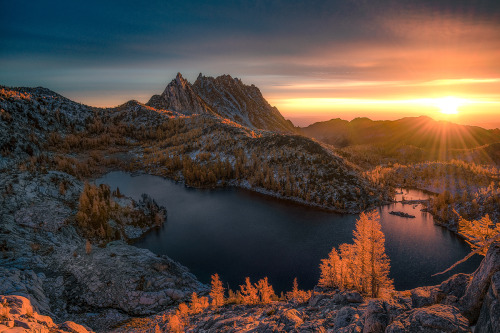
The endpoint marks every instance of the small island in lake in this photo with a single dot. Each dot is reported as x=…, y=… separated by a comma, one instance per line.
x=402, y=214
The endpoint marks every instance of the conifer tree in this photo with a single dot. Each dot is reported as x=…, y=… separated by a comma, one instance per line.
x=217, y=291
x=195, y=304
x=249, y=293
x=295, y=289
x=265, y=290
x=175, y=324
x=297, y=295
x=370, y=247
x=363, y=265
x=348, y=256
x=478, y=233
x=361, y=241
x=330, y=270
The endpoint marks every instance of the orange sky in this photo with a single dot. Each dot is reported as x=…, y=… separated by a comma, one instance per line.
x=433, y=57
x=384, y=59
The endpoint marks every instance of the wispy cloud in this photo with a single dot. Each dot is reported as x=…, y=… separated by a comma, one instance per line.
x=105, y=52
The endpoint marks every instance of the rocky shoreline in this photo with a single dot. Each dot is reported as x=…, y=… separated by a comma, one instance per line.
x=45, y=259
x=463, y=303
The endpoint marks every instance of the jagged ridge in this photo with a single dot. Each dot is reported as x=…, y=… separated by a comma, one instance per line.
x=224, y=96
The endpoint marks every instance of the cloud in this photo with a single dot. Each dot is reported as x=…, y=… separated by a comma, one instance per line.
x=102, y=52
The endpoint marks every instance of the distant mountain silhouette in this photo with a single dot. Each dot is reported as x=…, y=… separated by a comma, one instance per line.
x=422, y=132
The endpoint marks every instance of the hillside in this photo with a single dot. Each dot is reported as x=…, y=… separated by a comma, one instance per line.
x=438, y=139
x=199, y=148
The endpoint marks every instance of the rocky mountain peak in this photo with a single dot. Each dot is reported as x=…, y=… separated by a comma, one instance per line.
x=225, y=96
x=179, y=96
x=181, y=81
x=222, y=80
x=231, y=98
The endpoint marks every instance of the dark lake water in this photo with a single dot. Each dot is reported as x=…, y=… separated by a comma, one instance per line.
x=238, y=233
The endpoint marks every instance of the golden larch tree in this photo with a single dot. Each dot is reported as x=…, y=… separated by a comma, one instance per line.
x=361, y=242
x=217, y=291
x=330, y=270
x=198, y=304
x=297, y=295
x=364, y=265
x=370, y=247
x=265, y=290
x=249, y=293
x=348, y=266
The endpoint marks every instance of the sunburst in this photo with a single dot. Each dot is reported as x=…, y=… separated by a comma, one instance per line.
x=449, y=105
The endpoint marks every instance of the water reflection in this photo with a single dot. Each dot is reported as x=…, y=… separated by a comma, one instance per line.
x=238, y=233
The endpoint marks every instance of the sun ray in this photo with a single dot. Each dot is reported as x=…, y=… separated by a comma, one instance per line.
x=449, y=105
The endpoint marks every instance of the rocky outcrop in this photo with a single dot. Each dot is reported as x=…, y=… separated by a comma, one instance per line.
x=449, y=292
x=477, y=289
x=402, y=214
x=180, y=96
x=45, y=111
x=18, y=315
x=244, y=104
x=326, y=311
x=225, y=97
x=436, y=309
x=44, y=259
x=124, y=277
x=435, y=318
x=489, y=317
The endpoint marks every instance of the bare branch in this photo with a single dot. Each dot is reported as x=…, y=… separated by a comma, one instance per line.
x=479, y=249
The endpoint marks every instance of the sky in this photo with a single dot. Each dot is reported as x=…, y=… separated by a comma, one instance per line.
x=313, y=60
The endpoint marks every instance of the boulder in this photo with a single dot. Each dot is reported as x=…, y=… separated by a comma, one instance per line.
x=124, y=277
x=489, y=318
x=422, y=296
x=436, y=318
x=347, y=296
x=375, y=317
x=447, y=292
x=316, y=299
x=455, y=285
x=353, y=297
x=18, y=315
x=345, y=317
x=291, y=318
x=477, y=288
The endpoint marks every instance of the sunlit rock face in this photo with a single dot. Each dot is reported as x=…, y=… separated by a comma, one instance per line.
x=244, y=104
x=19, y=315
x=180, y=96
x=481, y=298
x=222, y=96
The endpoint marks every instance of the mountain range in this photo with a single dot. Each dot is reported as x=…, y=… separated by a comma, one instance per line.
x=422, y=132
x=408, y=140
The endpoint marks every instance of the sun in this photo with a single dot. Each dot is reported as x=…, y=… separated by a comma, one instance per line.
x=449, y=105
